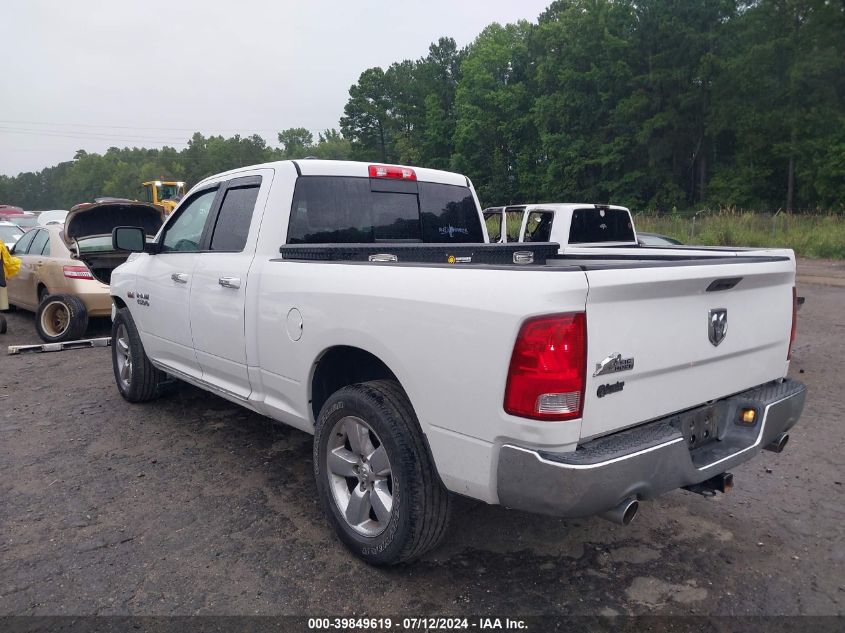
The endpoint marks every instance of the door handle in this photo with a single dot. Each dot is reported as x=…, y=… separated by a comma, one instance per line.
x=230, y=282
x=180, y=278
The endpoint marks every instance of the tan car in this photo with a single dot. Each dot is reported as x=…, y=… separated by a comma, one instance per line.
x=65, y=269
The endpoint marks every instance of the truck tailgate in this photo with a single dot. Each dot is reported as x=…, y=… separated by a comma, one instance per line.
x=659, y=314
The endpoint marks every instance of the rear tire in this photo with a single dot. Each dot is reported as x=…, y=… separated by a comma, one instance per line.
x=61, y=318
x=136, y=378
x=376, y=480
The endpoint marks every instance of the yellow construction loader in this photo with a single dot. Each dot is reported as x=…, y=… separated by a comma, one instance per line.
x=164, y=193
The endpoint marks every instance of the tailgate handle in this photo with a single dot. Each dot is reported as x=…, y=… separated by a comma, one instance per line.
x=723, y=284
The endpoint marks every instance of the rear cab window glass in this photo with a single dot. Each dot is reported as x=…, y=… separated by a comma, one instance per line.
x=232, y=226
x=340, y=209
x=448, y=214
x=590, y=226
x=538, y=227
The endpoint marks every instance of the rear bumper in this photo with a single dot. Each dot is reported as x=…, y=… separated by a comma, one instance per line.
x=645, y=461
x=94, y=296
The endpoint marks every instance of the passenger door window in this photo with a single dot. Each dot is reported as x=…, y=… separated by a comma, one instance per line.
x=41, y=239
x=234, y=218
x=21, y=247
x=184, y=233
x=514, y=224
x=538, y=228
x=494, y=225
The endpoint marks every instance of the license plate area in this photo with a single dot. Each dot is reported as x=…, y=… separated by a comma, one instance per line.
x=698, y=426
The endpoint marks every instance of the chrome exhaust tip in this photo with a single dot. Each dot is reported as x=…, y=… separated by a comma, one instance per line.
x=779, y=444
x=624, y=513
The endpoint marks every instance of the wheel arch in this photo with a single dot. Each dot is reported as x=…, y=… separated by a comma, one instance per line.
x=342, y=365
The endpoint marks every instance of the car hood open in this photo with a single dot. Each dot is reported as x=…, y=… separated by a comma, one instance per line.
x=91, y=219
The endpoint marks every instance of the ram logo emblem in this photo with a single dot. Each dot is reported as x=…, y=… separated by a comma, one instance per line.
x=717, y=325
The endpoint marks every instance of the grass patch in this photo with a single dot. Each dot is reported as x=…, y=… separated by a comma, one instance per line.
x=816, y=236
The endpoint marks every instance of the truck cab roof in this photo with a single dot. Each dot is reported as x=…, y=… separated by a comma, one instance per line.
x=360, y=169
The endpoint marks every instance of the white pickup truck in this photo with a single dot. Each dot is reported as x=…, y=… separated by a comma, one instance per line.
x=571, y=225
x=362, y=304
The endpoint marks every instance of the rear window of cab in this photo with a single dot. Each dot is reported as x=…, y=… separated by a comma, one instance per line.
x=340, y=209
x=593, y=226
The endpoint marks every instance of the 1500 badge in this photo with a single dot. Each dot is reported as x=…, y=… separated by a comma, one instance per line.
x=143, y=299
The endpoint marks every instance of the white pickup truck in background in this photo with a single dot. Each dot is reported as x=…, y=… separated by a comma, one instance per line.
x=361, y=303
x=579, y=226
x=572, y=225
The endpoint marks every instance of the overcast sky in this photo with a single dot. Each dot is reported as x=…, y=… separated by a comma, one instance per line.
x=92, y=74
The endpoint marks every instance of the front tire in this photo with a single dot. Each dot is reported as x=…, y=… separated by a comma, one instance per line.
x=136, y=378
x=61, y=318
x=376, y=481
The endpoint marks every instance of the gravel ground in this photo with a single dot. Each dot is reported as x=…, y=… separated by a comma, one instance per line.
x=191, y=505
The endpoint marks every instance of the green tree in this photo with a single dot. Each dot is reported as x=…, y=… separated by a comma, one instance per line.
x=495, y=138
x=779, y=99
x=332, y=145
x=366, y=120
x=297, y=142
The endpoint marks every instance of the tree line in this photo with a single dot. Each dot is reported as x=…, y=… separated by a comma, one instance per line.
x=654, y=104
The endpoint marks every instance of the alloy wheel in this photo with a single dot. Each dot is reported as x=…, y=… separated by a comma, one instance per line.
x=360, y=476
x=124, y=358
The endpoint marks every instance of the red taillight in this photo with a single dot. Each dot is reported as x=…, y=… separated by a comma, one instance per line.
x=547, y=371
x=77, y=272
x=794, y=323
x=388, y=171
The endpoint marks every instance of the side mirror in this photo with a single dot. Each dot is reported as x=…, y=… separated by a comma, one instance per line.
x=128, y=238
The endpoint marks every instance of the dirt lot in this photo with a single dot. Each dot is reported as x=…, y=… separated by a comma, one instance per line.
x=191, y=505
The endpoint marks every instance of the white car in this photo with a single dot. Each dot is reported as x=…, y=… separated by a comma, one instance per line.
x=55, y=216
x=360, y=303
x=10, y=233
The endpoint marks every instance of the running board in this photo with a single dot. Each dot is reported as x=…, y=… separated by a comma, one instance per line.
x=60, y=347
